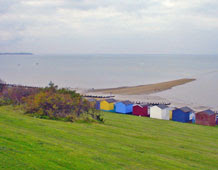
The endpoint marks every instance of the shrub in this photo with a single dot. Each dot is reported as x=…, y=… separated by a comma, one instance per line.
x=51, y=103
x=16, y=94
x=62, y=104
x=4, y=101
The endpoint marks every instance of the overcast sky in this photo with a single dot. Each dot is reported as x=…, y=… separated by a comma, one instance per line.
x=109, y=26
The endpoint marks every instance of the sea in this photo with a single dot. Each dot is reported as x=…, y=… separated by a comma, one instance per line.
x=87, y=71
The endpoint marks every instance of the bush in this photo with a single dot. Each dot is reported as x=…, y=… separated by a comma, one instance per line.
x=51, y=103
x=15, y=95
x=4, y=101
x=62, y=104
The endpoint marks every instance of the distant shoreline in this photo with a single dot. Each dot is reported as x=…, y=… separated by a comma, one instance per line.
x=145, y=89
x=16, y=53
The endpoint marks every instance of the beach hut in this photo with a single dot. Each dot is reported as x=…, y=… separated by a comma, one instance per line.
x=123, y=107
x=206, y=117
x=107, y=105
x=140, y=110
x=160, y=112
x=184, y=114
x=98, y=104
x=171, y=112
x=216, y=118
x=95, y=103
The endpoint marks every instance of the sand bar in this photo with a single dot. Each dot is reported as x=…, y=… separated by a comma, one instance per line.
x=145, y=89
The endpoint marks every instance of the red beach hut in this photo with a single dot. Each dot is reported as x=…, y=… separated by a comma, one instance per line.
x=206, y=117
x=140, y=110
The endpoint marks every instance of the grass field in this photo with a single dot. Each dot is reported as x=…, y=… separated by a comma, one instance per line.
x=123, y=142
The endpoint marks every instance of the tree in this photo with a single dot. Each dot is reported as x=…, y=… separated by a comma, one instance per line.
x=52, y=85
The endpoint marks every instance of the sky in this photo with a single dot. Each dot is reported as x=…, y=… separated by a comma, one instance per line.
x=109, y=26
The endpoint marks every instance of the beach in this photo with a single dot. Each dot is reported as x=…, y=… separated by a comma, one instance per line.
x=145, y=89
x=164, y=92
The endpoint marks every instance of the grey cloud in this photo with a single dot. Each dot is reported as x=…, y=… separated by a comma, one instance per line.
x=209, y=9
x=138, y=26
x=4, y=6
x=127, y=5
x=7, y=5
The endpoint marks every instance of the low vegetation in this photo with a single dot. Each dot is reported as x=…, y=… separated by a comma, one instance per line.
x=123, y=142
x=51, y=103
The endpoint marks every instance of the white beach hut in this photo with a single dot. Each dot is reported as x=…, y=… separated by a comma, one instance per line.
x=160, y=112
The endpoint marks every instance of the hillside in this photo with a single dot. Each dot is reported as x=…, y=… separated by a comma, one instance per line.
x=123, y=142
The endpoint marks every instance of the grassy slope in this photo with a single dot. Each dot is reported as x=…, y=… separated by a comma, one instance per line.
x=123, y=142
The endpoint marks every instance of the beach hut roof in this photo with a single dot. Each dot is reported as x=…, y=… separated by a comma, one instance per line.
x=127, y=102
x=162, y=106
x=140, y=105
x=91, y=100
x=143, y=105
x=186, y=109
x=110, y=100
x=209, y=112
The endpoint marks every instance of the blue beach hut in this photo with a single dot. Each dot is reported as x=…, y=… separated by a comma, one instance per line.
x=184, y=114
x=124, y=107
x=217, y=119
x=97, y=105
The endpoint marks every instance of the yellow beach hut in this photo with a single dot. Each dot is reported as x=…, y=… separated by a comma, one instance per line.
x=107, y=105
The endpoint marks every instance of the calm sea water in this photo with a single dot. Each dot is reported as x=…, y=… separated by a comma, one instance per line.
x=101, y=71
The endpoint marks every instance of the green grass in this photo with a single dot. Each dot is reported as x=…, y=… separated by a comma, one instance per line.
x=123, y=142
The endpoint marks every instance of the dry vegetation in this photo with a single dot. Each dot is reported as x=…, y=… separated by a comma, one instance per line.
x=50, y=103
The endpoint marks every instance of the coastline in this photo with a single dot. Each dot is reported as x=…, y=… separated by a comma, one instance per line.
x=144, y=89
x=150, y=93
